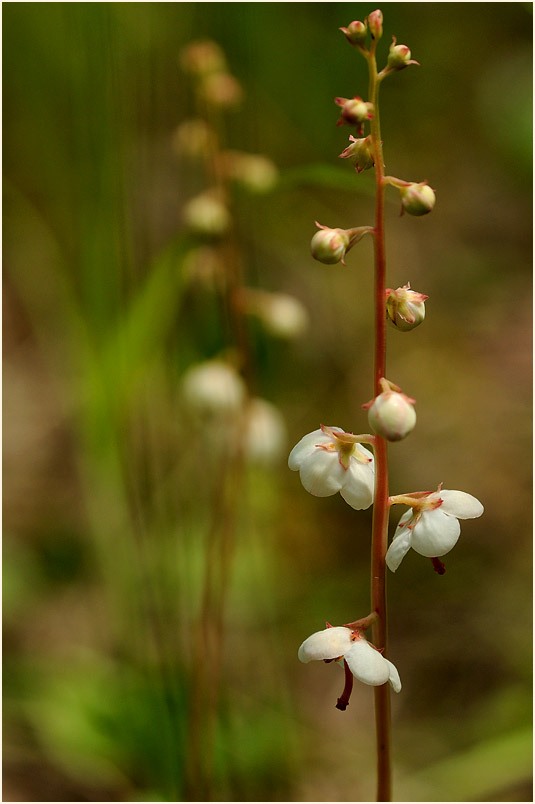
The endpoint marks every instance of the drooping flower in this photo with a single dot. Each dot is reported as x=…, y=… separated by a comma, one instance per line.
x=431, y=525
x=366, y=663
x=330, y=460
x=213, y=389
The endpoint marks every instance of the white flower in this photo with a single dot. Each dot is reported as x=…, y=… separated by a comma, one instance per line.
x=283, y=315
x=365, y=662
x=213, y=389
x=207, y=214
x=265, y=432
x=431, y=525
x=330, y=460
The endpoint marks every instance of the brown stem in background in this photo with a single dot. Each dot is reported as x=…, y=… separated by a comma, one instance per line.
x=208, y=653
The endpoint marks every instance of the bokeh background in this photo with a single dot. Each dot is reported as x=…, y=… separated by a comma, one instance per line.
x=116, y=531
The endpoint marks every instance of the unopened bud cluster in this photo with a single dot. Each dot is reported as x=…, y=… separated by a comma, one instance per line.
x=215, y=395
x=206, y=62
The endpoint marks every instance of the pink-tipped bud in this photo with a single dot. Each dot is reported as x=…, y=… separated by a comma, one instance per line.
x=405, y=307
x=221, y=89
x=203, y=57
x=354, y=111
x=355, y=33
x=417, y=199
x=375, y=24
x=399, y=56
x=194, y=138
x=361, y=151
x=391, y=415
x=329, y=245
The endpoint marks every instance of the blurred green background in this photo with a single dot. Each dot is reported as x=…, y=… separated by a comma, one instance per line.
x=109, y=489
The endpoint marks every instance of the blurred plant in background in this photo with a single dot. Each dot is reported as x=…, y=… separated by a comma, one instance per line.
x=115, y=298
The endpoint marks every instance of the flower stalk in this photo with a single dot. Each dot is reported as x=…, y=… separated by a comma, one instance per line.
x=331, y=460
x=380, y=506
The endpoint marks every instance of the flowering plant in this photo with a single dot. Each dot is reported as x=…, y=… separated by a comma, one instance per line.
x=330, y=460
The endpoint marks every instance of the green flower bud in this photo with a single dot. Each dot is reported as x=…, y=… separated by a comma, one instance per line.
x=355, y=33
x=399, y=56
x=354, y=111
x=360, y=150
x=417, y=199
x=375, y=24
x=329, y=245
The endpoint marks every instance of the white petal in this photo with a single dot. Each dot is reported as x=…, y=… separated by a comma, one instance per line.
x=460, y=504
x=367, y=664
x=358, y=485
x=395, y=681
x=305, y=447
x=365, y=452
x=435, y=533
x=405, y=518
x=399, y=548
x=328, y=644
x=321, y=473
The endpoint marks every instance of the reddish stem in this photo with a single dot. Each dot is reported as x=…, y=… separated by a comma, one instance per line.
x=380, y=506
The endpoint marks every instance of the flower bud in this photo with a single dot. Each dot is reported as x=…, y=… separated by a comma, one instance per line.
x=355, y=33
x=256, y=173
x=329, y=245
x=222, y=89
x=213, y=389
x=391, y=414
x=405, y=307
x=360, y=150
x=375, y=24
x=354, y=111
x=399, y=56
x=207, y=214
x=194, y=138
x=282, y=315
x=417, y=199
x=203, y=57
